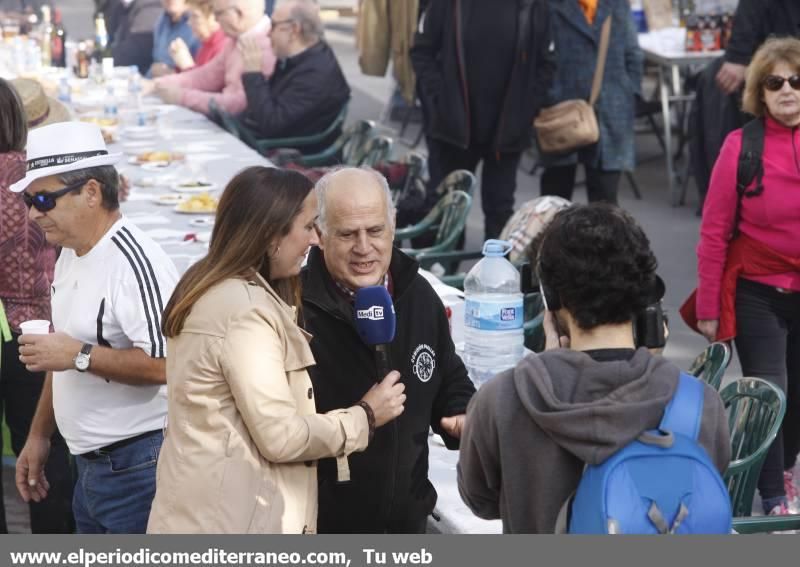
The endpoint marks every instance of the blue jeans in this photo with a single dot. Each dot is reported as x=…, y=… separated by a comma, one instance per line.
x=115, y=489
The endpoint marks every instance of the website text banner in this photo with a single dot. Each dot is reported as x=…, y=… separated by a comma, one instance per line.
x=393, y=551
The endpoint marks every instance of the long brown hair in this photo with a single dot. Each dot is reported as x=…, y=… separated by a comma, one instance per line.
x=257, y=208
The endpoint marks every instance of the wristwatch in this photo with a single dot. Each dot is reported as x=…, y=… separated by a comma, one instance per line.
x=83, y=358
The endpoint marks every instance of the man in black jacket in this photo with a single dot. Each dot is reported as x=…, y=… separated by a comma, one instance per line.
x=482, y=69
x=307, y=91
x=388, y=490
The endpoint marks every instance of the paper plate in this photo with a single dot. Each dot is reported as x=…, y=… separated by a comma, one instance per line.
x=191, y=187
x=169, y=200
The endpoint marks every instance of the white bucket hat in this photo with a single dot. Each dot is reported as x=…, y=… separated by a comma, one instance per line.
x=62, y=147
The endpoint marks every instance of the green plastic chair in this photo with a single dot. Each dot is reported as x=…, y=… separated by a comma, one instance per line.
x=375, y=150
x=755, y=411
x=710, y=365
x=234, y=126
x=766, y=524
x=347, y=149
x=447, y=219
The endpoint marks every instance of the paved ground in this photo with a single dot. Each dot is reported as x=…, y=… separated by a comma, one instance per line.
x=672, y=231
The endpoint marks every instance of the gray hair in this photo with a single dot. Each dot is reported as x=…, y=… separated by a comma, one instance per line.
x=323, y=185
x=105, y=175
x=306, y=14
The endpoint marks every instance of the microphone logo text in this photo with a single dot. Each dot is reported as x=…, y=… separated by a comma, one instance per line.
x=374, y=313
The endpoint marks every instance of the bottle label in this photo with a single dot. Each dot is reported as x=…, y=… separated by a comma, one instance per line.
x=505, y=315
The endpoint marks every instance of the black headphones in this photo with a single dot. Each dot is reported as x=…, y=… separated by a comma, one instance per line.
x=550, y=297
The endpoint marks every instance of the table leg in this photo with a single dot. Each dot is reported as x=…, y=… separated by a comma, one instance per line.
x=667, y=119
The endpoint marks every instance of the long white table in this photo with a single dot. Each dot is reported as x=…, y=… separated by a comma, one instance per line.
x=670, y=60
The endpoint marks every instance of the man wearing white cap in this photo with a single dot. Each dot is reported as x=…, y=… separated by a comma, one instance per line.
x=106, y=359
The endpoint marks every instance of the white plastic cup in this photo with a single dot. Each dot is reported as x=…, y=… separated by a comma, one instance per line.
x=35, y=327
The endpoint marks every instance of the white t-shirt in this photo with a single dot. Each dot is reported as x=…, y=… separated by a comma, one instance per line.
x=112, y=296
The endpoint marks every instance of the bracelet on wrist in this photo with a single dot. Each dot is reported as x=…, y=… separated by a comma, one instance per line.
x=370, y=417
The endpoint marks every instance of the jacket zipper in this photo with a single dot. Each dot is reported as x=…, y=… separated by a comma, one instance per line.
x=395, y=433
x=462, y=69
x=794, y=149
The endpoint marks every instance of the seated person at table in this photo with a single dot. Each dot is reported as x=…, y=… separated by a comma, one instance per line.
x=205, y=28
x=530, y=430
x=221, y=78
x=389, y=490
x=171, y=26
x=130, y=27
x=307, y=90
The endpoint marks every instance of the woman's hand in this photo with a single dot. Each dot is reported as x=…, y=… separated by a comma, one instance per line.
x=252, y=55
x=180, y=53
x=709, y=328
x=386, y=398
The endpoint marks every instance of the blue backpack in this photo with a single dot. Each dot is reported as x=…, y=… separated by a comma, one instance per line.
x=661, y=483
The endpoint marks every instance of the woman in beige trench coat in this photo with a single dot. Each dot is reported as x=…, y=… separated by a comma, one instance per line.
x=243, y=436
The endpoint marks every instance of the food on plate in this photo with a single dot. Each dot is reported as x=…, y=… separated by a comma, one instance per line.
x=193, y=184
x=100, y=121
x=202, y=203
x=170, y=199
x=149, y=157
x=108, y=136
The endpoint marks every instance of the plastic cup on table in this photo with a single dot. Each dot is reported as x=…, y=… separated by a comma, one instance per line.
x=35, y=327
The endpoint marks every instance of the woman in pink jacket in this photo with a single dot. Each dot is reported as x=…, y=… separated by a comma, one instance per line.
x=749, y=255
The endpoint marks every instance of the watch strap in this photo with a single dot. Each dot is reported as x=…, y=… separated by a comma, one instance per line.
x=86, y=348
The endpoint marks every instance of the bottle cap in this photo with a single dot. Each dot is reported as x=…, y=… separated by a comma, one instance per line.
x=496, y=248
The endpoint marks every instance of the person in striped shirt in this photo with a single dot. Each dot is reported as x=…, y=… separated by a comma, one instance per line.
x=106, y=381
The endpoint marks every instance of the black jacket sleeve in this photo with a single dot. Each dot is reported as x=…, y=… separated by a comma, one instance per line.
x=272, y=116
x=456, y=389
x=546, y=55
x=748, y=31
x=425, y=51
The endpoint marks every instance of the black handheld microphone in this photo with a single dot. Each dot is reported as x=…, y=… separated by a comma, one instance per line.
x=376, y=322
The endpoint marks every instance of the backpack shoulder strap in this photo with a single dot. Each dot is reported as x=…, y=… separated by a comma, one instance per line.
x=684, y=412
x=750, y=166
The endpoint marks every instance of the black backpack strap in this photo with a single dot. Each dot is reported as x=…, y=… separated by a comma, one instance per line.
x=750, y=167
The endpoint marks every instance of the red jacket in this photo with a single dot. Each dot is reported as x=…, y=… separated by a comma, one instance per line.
x=746, y=257
x=210, y=48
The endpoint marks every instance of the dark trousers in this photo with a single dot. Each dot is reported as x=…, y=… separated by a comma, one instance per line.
x=20, y=392
x=600, y=185
x=768, y=344
x=498, y=181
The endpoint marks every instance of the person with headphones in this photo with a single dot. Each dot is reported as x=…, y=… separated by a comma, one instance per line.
x=530, y=430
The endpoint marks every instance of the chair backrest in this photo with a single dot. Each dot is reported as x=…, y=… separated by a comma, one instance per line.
x=353, y=140
x=376, y=149
x=710, y=364
x=755, y=411
x=458, y=180
x=452, y=210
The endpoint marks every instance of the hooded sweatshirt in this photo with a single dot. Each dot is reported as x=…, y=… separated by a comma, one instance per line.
x=530, y=430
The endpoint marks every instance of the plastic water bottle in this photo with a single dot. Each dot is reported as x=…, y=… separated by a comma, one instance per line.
x=64, y=91
x=110, y=104
x=493, y=333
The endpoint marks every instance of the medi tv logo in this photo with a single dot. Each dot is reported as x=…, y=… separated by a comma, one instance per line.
x=374, y=313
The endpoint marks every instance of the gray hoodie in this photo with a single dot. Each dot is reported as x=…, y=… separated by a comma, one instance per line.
x=530, y=430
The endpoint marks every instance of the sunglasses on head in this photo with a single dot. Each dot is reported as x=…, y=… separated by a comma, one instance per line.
x=775, y=82
x=44, y=202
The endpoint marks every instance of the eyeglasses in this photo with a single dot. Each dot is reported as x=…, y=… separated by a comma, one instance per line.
x=44, y=201
x=775, y=82
x=276, y=23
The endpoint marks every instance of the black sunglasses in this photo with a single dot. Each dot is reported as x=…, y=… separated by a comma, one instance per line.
x=775, y=82
x=44, y=202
